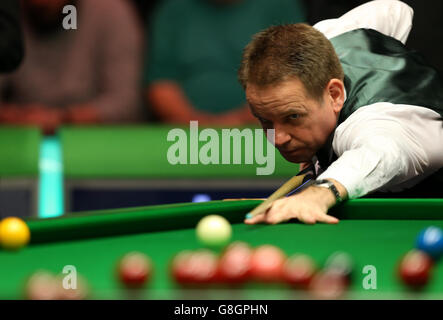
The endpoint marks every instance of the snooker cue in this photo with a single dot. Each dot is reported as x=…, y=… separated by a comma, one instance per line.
x=293, y=183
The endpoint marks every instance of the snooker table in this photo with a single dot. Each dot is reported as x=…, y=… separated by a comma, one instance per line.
x=126, y=166
x=374, y=231
x=19, y=170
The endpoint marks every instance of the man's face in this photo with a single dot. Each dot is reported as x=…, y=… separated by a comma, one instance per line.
x=302, y=124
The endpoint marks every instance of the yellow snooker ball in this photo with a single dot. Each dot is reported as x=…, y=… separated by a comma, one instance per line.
x=214, y=231
x=14, y=233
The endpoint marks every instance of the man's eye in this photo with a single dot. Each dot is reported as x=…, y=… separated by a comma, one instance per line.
x=294, y=116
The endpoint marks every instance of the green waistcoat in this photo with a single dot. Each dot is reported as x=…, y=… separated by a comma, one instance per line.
x=379, y=68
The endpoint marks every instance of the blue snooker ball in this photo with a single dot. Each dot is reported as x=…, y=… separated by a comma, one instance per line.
x=430, y=240
x=201, y=197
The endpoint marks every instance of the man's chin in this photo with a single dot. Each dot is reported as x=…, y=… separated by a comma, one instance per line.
x=295, y=157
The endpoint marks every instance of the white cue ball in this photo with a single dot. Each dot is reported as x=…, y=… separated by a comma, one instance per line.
x=214, y=231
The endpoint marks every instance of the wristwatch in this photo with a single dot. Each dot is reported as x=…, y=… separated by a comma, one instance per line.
x=323, y=183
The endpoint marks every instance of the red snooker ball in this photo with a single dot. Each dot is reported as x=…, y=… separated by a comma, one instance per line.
x=41, y=285
x=134, y=269
x=267, y=263
x=299, y=270
x=80, y=292
x=180, y=269
x=415, y=268
x=198, y=267
x=203, y=264
x=235, y=263
x=328, y=284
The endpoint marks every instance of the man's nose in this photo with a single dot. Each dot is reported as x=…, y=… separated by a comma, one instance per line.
x=281, y=136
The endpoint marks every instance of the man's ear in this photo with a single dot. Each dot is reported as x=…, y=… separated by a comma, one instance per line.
x=335, y=91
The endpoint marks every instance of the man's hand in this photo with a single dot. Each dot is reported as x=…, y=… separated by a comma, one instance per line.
x=309, y=206
x=82, y=114
x=237, y=117
x=46, y=118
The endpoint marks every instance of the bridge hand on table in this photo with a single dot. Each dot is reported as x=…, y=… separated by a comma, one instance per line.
x=305, y=207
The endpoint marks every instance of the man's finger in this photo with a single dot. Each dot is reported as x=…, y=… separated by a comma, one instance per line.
x=278, y=213
x=274, y=217
x=262, y=216
x=327, y=219
x=307, y=218
x=257, y=219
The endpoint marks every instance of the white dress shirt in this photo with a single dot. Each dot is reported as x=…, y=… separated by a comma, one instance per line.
x=382, y=147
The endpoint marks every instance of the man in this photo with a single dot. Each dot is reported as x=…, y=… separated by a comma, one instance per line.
x=361, y=106
x=77, y=76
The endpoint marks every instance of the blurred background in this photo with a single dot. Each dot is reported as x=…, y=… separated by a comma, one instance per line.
x=85, y=112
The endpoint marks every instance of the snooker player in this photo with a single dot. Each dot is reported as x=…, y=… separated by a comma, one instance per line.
x=346, y=96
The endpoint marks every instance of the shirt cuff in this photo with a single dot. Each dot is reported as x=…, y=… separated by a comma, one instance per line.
x=357, y=171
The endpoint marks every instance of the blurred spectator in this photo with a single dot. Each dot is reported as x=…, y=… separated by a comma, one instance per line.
x=82, y=76
x=195, y=51
x=11, y=38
